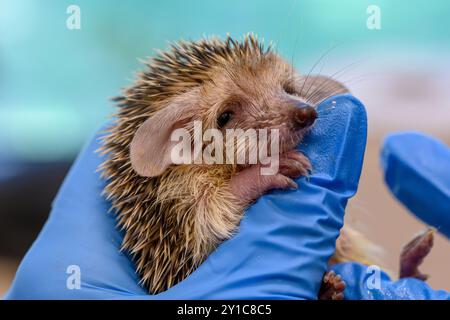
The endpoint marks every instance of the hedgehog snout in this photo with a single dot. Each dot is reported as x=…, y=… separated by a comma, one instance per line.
x=303, y=115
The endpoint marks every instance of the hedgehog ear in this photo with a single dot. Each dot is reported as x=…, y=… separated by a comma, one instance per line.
x=151, y=147
x=319, y=88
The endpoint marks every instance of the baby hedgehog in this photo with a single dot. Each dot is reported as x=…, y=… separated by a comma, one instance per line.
x=174, y=216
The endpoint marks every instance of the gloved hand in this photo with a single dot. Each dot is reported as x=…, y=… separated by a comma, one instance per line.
x=416, y=169
x=281, y=250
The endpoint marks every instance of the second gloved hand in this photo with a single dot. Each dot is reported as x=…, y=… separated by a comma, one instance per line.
x=416, y=169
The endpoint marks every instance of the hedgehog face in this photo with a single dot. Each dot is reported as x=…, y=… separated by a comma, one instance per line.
x=258, y=93
x=223, y=85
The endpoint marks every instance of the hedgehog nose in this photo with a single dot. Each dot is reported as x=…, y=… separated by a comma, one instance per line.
x=304, y=115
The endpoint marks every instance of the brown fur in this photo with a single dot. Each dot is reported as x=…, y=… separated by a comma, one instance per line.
x=174, y=219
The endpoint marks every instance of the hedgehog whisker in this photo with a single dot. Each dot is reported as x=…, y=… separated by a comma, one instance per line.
x=314, y=66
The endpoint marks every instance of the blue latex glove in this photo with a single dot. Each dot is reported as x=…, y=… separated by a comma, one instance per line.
x=362, y=286
x=417, y=171
x=281, y=250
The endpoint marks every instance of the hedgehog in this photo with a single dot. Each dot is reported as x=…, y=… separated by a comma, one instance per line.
x=174, y=215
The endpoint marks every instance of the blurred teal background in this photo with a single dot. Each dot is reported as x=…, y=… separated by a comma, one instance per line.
x=55, y=86
x=55, y=83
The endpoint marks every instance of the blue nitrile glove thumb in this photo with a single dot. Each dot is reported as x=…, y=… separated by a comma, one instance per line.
x=416, y=169
x=281, y=250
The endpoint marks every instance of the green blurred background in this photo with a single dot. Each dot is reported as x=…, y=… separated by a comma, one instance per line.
x=55, y=83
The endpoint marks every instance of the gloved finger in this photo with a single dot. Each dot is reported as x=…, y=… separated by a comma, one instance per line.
x=286, y=238
x=371, y=283
x=416, y=169
x=80, y=235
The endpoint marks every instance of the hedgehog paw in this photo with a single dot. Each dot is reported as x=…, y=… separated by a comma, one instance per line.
x=413, y=254
x=332, y=287
x=294, y=164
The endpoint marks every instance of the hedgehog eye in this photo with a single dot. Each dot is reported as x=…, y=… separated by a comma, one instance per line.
x=289, y=89
x=224, y=118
